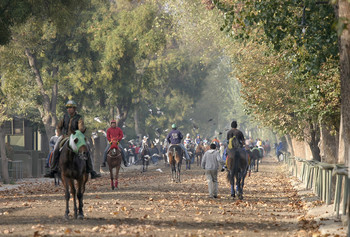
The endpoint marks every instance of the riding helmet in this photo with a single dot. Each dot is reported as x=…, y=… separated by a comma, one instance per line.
x=71, y=103
x=113, y=121
x=173, y=126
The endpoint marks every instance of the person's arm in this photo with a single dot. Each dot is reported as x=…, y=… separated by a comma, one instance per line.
x=81, y=125
x=59, y=127
x=120, y=134
x=204, y=160
x=168, y=138
x=109, y=138
x=180, y=136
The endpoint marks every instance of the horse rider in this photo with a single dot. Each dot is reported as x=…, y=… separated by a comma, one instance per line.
x=187, y=140
x=71, y=121
x=174, y=138
x=114, y=132
x=216, y=142
x=234, y=132
x=198, y=140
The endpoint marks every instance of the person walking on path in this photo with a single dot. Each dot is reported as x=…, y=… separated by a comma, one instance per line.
x=211, y=162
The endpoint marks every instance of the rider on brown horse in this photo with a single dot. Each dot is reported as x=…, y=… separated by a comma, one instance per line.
x=71, y=121
x=175, y=137
x=117, y=133
x=234, y=132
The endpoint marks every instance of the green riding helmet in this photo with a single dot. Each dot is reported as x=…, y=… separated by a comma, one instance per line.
x=173, y=126
x=71, y=103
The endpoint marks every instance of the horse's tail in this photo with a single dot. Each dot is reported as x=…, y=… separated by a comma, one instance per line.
x=234, y=167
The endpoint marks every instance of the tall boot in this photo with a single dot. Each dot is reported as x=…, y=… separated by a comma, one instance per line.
x=90, y=169
x=54, y=163
x=124, y=158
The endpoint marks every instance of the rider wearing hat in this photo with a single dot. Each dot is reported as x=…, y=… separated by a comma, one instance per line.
x=175, y=137
x=234, y=132
x=70, y=122
x=114, y=132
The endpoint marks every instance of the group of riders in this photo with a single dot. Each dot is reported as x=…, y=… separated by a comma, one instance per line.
x=73, y=121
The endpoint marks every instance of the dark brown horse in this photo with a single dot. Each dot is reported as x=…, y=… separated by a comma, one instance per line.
x=114, y=160
x=237, y=165
x=145, y=157
x=72, y=164
x=199, y=153
x=175, y=154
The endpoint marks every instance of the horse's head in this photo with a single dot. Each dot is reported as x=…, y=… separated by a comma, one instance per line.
x=78, y=144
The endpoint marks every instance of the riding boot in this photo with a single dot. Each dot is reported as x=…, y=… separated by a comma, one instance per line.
x=89, y=168
x=124, y=159
x=54, y=163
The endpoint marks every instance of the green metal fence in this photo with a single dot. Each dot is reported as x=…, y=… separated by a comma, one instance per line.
x=317, y=176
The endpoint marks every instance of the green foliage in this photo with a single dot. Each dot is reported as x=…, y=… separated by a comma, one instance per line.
x=297, y=53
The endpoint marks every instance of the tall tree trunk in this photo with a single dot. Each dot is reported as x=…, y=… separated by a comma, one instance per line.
x=344, y=139
x=136, y=121
x=48, y=106
x=4, y=159
x=328, y=146
x=289, y=144
x=312, y=136
x=122, y=114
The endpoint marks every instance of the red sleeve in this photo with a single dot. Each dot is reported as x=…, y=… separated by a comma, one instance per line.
x=120, y=134
x=109, y=138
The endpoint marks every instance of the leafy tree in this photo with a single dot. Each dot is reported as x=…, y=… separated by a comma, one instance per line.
x=304, y=52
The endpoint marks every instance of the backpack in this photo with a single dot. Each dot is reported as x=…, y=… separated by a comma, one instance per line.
x=233, y=143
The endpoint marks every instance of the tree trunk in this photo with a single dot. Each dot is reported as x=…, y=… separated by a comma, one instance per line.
x=328, y=146
x=344, y=137
x=4, y=159
x=122, y=114
x=315, y=139
x=289, y=144
x=136, y=121
x=48, y=106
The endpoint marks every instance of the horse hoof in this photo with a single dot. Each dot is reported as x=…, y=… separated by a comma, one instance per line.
x=66, y=216
x=112, y=188
x=233, y=195
x=80, y=217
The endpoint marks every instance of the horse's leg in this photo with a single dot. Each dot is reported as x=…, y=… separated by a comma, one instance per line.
x=117, y=175
x=80, y=198
x=239, y=185
x=67, y=196
x=257, y=165
x=143, y=164
x=74, y=194
x=179, y=171
x=232, y=181
x=111, y=175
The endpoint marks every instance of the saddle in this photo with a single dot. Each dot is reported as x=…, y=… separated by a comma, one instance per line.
x=62, y=142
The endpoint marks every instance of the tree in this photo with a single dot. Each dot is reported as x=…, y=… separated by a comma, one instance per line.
x=305, y=51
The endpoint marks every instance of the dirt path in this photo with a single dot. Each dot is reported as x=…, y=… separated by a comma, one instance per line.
x=149, y=204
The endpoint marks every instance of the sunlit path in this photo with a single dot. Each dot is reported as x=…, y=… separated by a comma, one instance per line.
x=150, y=204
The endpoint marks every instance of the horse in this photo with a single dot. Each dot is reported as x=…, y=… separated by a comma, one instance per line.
x=237, y=165
x=199, y=153
x=72, y=163
x=145, y=157
x=175, y=154
x=254, y=155
x=190, y=150
x=114, y=160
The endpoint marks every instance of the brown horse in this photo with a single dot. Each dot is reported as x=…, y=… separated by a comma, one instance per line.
x=72, y=164
x=237, y=165
x=114, y=160
x=199, y=153
x=175, y=154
